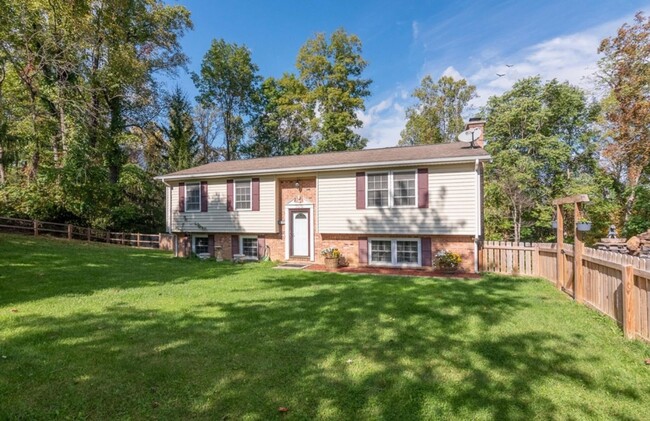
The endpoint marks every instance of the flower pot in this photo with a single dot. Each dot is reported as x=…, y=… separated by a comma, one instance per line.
x=331, y=263
x=583, y=226
x=554, y=224
x=449, y=270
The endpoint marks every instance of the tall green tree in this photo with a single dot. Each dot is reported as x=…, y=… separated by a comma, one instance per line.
x=437, y=117
x=80, y=82
x=332, y=71
x=183, y=148
x=228, y=80
x=543, y=140
x=285, y=122
x=625, y=71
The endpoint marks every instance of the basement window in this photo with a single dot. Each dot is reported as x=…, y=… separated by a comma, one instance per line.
x=394, y=252
x=249, y=247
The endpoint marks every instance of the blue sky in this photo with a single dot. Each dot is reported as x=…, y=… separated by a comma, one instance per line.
x=406, y=40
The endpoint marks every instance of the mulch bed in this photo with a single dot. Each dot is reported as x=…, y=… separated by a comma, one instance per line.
x=395, y=272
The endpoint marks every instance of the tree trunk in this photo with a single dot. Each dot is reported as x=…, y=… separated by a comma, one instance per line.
x=2, y=166
x=516, y=221
x=227, y=133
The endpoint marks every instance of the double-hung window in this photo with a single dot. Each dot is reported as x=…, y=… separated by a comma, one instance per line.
x=249, y=247
x=404, y=188
x=243, y=194
x=201, y=245
x=392, y=189
x=394, y=252
x=192, y=197
x=378, y=191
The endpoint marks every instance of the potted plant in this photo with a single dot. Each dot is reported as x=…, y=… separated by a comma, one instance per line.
x=448, y=261
x=583, y=224
x=332, y=256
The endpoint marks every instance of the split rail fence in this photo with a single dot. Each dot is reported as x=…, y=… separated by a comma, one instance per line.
x=614, y=284
x=73, y=232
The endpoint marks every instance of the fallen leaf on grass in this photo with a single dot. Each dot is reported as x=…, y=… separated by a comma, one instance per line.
x=14, y=310
x=283, y=409
x=647, y=361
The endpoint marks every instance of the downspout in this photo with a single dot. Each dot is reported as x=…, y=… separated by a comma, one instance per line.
x=477, y=237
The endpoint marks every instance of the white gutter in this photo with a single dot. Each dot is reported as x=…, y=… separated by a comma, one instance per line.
x=296, y=170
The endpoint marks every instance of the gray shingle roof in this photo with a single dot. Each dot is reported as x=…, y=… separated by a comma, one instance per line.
x=446, y=152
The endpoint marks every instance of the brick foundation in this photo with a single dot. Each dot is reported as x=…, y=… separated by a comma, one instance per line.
x=348, y=244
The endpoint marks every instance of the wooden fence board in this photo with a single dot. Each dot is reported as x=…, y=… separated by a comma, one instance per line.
x=602, y=277
x=72, y=232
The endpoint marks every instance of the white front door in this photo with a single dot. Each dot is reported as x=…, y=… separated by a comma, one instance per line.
x=300, y=231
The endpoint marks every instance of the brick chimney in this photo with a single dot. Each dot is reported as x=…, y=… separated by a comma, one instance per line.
x=473, y=123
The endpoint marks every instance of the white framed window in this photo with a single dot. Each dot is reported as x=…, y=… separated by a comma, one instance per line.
x=391, y=189
x=404, y=188
x=394, y=251
x=248, y=247
x=200, y=245
x=243, y=194
x=378, y=190
x=192, y=197
x=380, y=252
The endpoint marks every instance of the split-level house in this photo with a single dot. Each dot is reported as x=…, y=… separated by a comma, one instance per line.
x=387, y=207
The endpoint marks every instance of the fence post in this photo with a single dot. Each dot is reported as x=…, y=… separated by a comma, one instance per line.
x=137, y=239
x=122, y=234
x=536, y=270
x=108, y=236
x=629, y=324
x=35, y=228
x=89, y=233
x=578, y=281
x=559, y=282
x=483, y=257
x=69, y=231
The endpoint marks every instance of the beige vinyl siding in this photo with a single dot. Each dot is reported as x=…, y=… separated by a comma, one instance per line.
x=218, y=219
x=452, y=205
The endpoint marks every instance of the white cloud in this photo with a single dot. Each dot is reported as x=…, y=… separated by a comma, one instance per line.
x=451, y=71
x=571, y=58
x=383, y=122
x=415, y=29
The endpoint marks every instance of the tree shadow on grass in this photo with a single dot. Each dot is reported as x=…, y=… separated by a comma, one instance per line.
x=37, y=269
x=326, y=346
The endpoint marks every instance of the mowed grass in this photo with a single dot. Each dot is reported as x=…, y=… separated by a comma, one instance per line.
x=90, y=331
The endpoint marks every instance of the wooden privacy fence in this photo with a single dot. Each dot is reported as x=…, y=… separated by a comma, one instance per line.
x=615, y=284
x=73, y=232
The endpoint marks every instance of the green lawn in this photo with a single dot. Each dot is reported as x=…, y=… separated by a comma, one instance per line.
x=103, y=332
